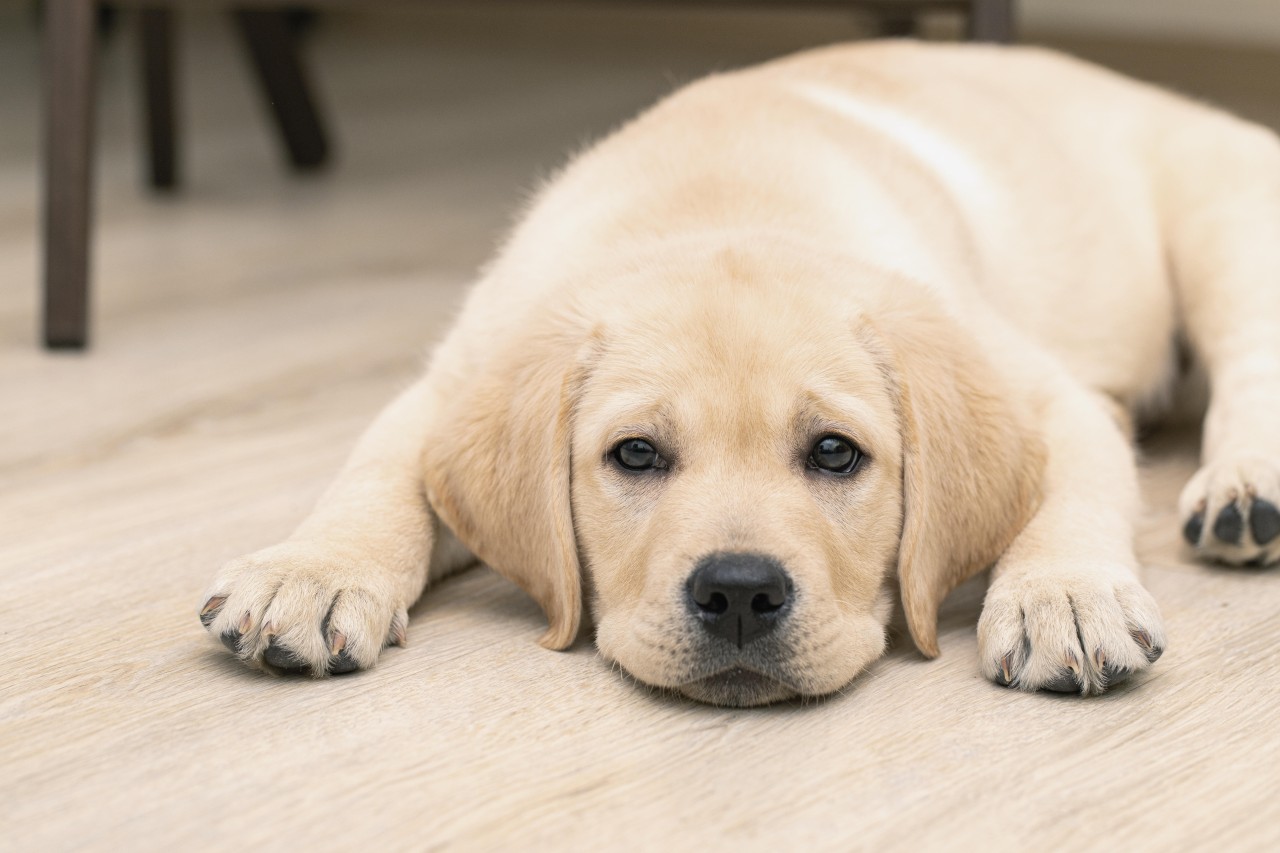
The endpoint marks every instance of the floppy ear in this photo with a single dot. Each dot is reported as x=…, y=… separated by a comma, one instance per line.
x=497, y=472
x=972, y=463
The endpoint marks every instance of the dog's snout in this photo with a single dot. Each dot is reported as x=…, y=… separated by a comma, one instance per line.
x=739, y=596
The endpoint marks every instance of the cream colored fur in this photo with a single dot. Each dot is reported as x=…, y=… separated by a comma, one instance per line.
x=975, y=262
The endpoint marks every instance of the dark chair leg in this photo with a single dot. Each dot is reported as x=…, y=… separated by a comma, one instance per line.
x=273, y=48
x=155, y=25
x=68, y=169
x=991, y=20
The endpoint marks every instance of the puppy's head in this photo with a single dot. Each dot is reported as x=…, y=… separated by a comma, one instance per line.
x=740, y=451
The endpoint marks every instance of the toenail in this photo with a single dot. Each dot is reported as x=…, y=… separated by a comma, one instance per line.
x=1004, y=675
x=399, y=636
x=1149, y=648
x=1072, y=662
x=211, y=609
x=1112, y=675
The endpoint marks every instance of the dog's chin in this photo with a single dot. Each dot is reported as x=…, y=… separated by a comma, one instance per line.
x=738, y=688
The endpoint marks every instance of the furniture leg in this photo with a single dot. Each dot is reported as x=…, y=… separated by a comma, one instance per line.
x=273, y=48
x=68, y=169
x=156, y=32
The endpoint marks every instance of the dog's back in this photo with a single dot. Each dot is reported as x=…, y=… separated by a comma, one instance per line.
x=1016, y=176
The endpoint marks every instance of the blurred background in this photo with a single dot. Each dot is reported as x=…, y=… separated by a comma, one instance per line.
x=438, y=117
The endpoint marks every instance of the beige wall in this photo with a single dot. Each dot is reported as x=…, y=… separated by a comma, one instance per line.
x=1235, y=20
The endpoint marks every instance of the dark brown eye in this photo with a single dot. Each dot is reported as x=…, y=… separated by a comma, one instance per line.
x=835, y=455
x=636, y=454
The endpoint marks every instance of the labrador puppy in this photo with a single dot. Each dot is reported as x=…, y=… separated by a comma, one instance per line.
x=863, y=321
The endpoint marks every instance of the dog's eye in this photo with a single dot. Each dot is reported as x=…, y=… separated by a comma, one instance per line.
x=835, y=454
x=636, y=454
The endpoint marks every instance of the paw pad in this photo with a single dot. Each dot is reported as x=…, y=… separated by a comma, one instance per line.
x=1065, y=682
x=1194, y=528
x=1260, y=517
x=283, y=658
x=1230, y=511
x=1264, y=521
x=1229, y=526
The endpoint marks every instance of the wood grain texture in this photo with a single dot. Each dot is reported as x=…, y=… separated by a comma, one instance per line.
x=251, y=328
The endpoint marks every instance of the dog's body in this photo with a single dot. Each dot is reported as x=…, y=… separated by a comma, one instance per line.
x=868, y=308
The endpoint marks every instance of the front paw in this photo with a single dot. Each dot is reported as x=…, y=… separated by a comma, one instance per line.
x=1230, y=511
x=303, y=608
x=1068, y=631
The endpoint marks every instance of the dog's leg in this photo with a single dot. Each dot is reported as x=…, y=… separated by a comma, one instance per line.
x=1065, y=610
x=1220, y=182
x=333, y=595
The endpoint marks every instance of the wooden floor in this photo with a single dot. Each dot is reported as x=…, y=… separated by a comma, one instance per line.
x=248, y=328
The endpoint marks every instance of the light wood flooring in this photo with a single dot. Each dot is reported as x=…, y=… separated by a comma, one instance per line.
x=247, y=328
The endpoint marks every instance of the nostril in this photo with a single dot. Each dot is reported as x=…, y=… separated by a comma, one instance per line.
x=718, y=603
x=763, y=603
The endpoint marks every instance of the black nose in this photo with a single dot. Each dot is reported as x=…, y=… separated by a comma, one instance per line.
x=739, y=597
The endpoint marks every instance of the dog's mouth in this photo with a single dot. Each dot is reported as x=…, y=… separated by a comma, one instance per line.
x=737, y=687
